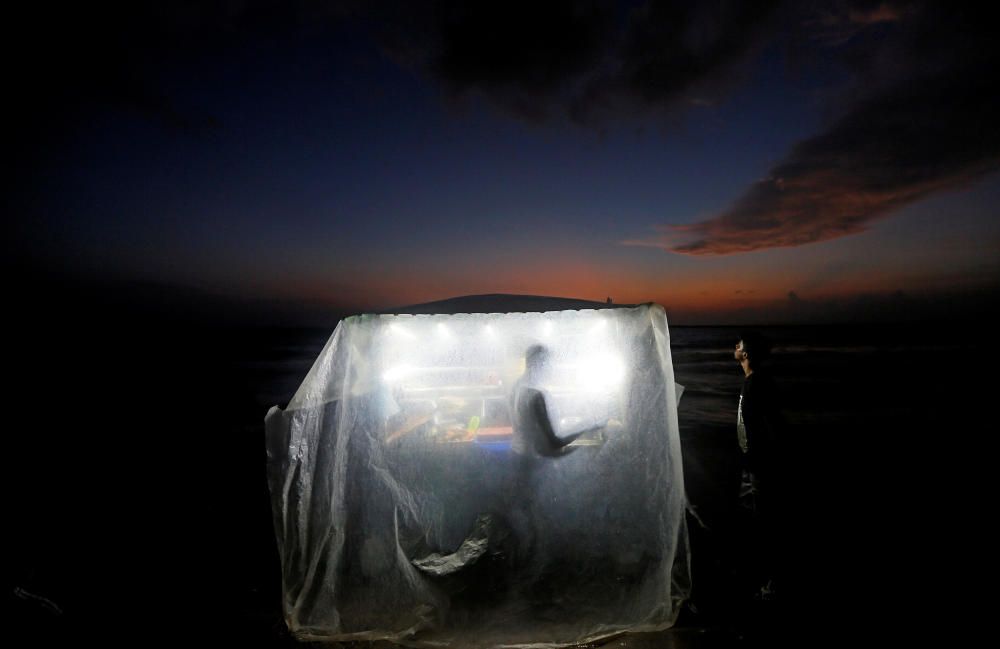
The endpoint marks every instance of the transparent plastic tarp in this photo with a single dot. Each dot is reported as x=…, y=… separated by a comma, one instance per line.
x=483, y=480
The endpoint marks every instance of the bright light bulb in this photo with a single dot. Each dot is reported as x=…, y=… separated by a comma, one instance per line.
x=601, y=372
x=396, y=373
x=401, y=331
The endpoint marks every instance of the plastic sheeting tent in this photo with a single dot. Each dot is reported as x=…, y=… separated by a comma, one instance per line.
x=481, y=480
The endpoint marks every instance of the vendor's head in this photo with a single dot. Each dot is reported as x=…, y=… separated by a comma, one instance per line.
x=536, y=361
x=753, y=348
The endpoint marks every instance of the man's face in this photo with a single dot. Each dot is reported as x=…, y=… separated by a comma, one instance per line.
x=739, y=354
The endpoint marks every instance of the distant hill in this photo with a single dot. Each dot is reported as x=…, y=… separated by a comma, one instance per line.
x=503, y=303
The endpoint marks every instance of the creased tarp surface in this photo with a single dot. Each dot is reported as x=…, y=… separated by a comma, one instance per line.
x=411, y=502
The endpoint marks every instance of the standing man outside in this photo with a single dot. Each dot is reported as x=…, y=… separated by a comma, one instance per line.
x=758, y=431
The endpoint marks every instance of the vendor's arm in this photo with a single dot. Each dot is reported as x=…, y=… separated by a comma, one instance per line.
x=546, y=412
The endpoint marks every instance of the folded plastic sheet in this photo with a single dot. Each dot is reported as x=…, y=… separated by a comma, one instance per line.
x=483, y=480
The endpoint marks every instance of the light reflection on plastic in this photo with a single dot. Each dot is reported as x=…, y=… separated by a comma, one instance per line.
x=401, y=331
x=397, y=372
x=602, y=372
x=598, y=369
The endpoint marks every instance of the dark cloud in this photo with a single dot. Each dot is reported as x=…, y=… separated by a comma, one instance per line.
x=591, y=60
x=672, y=46
x=933, y=127
x=836, y=23
x=520, y=55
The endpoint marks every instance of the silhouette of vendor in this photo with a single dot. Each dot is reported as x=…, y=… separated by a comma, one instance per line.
x=538, y=428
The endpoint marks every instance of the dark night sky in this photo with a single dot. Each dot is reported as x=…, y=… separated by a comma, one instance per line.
x=732, y=161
